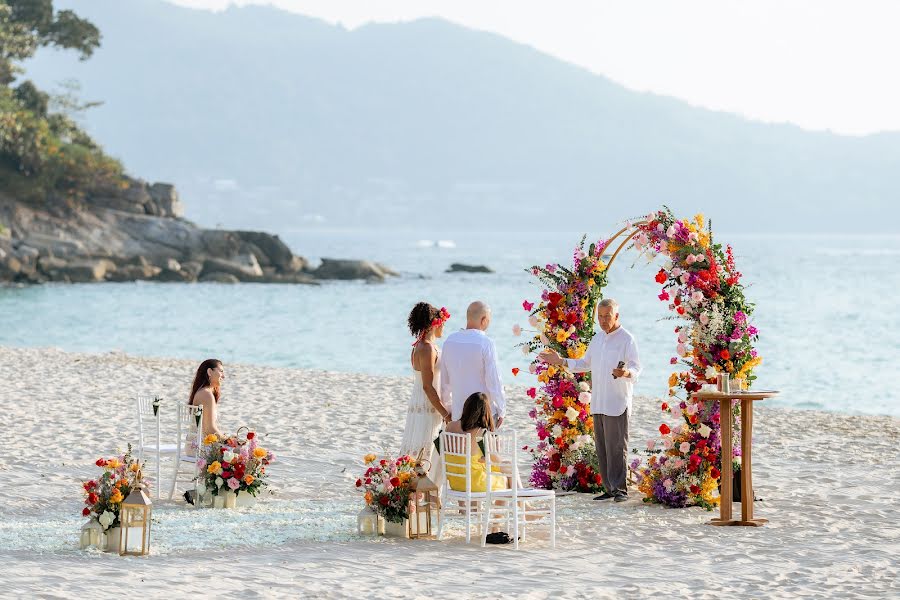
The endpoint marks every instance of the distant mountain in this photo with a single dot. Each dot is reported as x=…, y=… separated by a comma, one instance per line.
x=267, y=119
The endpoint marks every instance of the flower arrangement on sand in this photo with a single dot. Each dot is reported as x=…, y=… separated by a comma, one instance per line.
x=564, y=457
x=103, y=496
x=700, y=285
x=388, y=484
x=232, y=464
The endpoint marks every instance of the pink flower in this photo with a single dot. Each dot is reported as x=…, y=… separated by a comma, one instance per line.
x=685, y=447
x=234, y=483
x=516, y=330
x=584, y=397
x=690, y=259
x=651, y=444
x=664, y=296
x=532, y=392
x=673, y=361
x=201, y=464
x=527, y=305
x=704, y=318
x=667, y=443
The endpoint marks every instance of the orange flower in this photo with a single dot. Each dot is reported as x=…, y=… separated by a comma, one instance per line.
x=249, y=479
x=259, y=453
x=116, y=496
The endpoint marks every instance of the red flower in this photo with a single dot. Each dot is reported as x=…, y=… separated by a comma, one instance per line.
x=680, y=310
x=677, y=300
x=515, y=371
x=85, y=511
x=368, y=480
x=395, y=481
x=555, y=298
x=664, y=429
x=101, y=462
x=665, y=406
x=714, y=473
x=664, y=296
x=527, y=305
x=359, y=483
x=383, y=462
x=532, y=393
x=92, y=498
x=384, y=501
x=725, y=354
x=673, y=361
x=251, y=435
x=597, y=479
x=693, y=419
x=695, y=489
x=661, y=276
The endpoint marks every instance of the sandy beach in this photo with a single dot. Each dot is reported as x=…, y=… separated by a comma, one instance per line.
x=829, y=483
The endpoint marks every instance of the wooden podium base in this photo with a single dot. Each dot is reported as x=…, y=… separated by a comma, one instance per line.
x=733, y=522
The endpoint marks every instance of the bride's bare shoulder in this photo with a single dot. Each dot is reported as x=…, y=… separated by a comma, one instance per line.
x=204, y=396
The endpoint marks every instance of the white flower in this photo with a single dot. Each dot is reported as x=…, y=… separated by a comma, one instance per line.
x=584, y=387
x=219, y=482
x=697, y=297
x=705, y=430
x=525, y=350
x=571, y=414
x=584, y=397
x=556, y=431
x=228, y=456
x=659, y=227
x=106, y=519
x=704, y=318
x=667, y=266
x=201, y=489
x=710, y=372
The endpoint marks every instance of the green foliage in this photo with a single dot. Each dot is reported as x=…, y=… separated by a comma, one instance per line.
x=45, y=153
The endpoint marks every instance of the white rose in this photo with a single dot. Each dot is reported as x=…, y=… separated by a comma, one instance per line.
x=571, y=414
x=584, y=387
x=201, y=489
x=106, y=519
x=228, y=456
x=710, y=372
x=556, y=431
x=705, y=430
x=219, y=482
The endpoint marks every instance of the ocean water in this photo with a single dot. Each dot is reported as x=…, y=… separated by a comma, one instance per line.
x=826, y=308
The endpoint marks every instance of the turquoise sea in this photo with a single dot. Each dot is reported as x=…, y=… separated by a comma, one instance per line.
x=825, y=308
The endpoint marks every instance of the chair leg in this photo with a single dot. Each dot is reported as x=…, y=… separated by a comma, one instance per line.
x=515, y=510
x=468, y=521
x=175, y=468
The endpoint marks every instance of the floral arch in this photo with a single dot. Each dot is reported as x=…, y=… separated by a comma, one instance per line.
x=701, y=287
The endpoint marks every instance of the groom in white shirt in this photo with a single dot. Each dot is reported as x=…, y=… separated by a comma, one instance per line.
x=469, y=365
x=612, y=388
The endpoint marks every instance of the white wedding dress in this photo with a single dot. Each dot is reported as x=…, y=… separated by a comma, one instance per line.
x=423, y=423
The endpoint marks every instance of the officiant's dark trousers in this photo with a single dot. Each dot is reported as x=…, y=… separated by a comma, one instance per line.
x=611, y=440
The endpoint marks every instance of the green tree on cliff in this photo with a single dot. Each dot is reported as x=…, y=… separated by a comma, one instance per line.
x=44, y=153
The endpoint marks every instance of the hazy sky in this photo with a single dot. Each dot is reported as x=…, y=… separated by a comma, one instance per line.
x=822, y=64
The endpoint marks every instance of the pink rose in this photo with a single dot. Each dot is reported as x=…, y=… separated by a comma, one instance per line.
x=516, y=330
x=690, y=259
x=685, y=447
x=584, y=397
x=234, y=483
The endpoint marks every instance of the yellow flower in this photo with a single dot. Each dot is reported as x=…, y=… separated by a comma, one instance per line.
x=259, y=453
x=551, y=371
x=673, y=380
x=113, y=463
x=404, y=477
x=578, y=351
x=215, y=468
x=134, y=467
x=601, y=266
x=562, y=335
x=698, y=218
x=369, y=458
x=210, y=439
x=116, y=496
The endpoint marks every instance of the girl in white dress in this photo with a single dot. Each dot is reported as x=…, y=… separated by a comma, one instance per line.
x=425, y=413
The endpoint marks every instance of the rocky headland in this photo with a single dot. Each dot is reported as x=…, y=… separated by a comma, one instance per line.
x=137, y=232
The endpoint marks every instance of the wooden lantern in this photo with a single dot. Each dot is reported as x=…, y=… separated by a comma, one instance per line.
x=425, y=502
x=134, y=519
x=92, y=535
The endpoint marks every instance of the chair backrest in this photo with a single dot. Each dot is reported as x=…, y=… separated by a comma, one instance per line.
x=502, y=445
x=190, y=424
x=144, y=406
x=456, y=452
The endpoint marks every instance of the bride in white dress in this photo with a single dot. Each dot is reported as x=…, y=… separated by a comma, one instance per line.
x=425, y=413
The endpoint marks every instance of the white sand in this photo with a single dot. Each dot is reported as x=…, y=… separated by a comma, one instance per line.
x=830, y=486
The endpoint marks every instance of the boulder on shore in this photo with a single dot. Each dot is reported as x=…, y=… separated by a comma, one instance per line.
x=350, y=269
x=461, y=268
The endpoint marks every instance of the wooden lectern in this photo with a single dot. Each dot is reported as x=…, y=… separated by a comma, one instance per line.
x=725, y=501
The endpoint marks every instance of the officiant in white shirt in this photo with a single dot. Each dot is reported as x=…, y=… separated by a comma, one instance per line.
x=469, y=365
x=612, y=388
